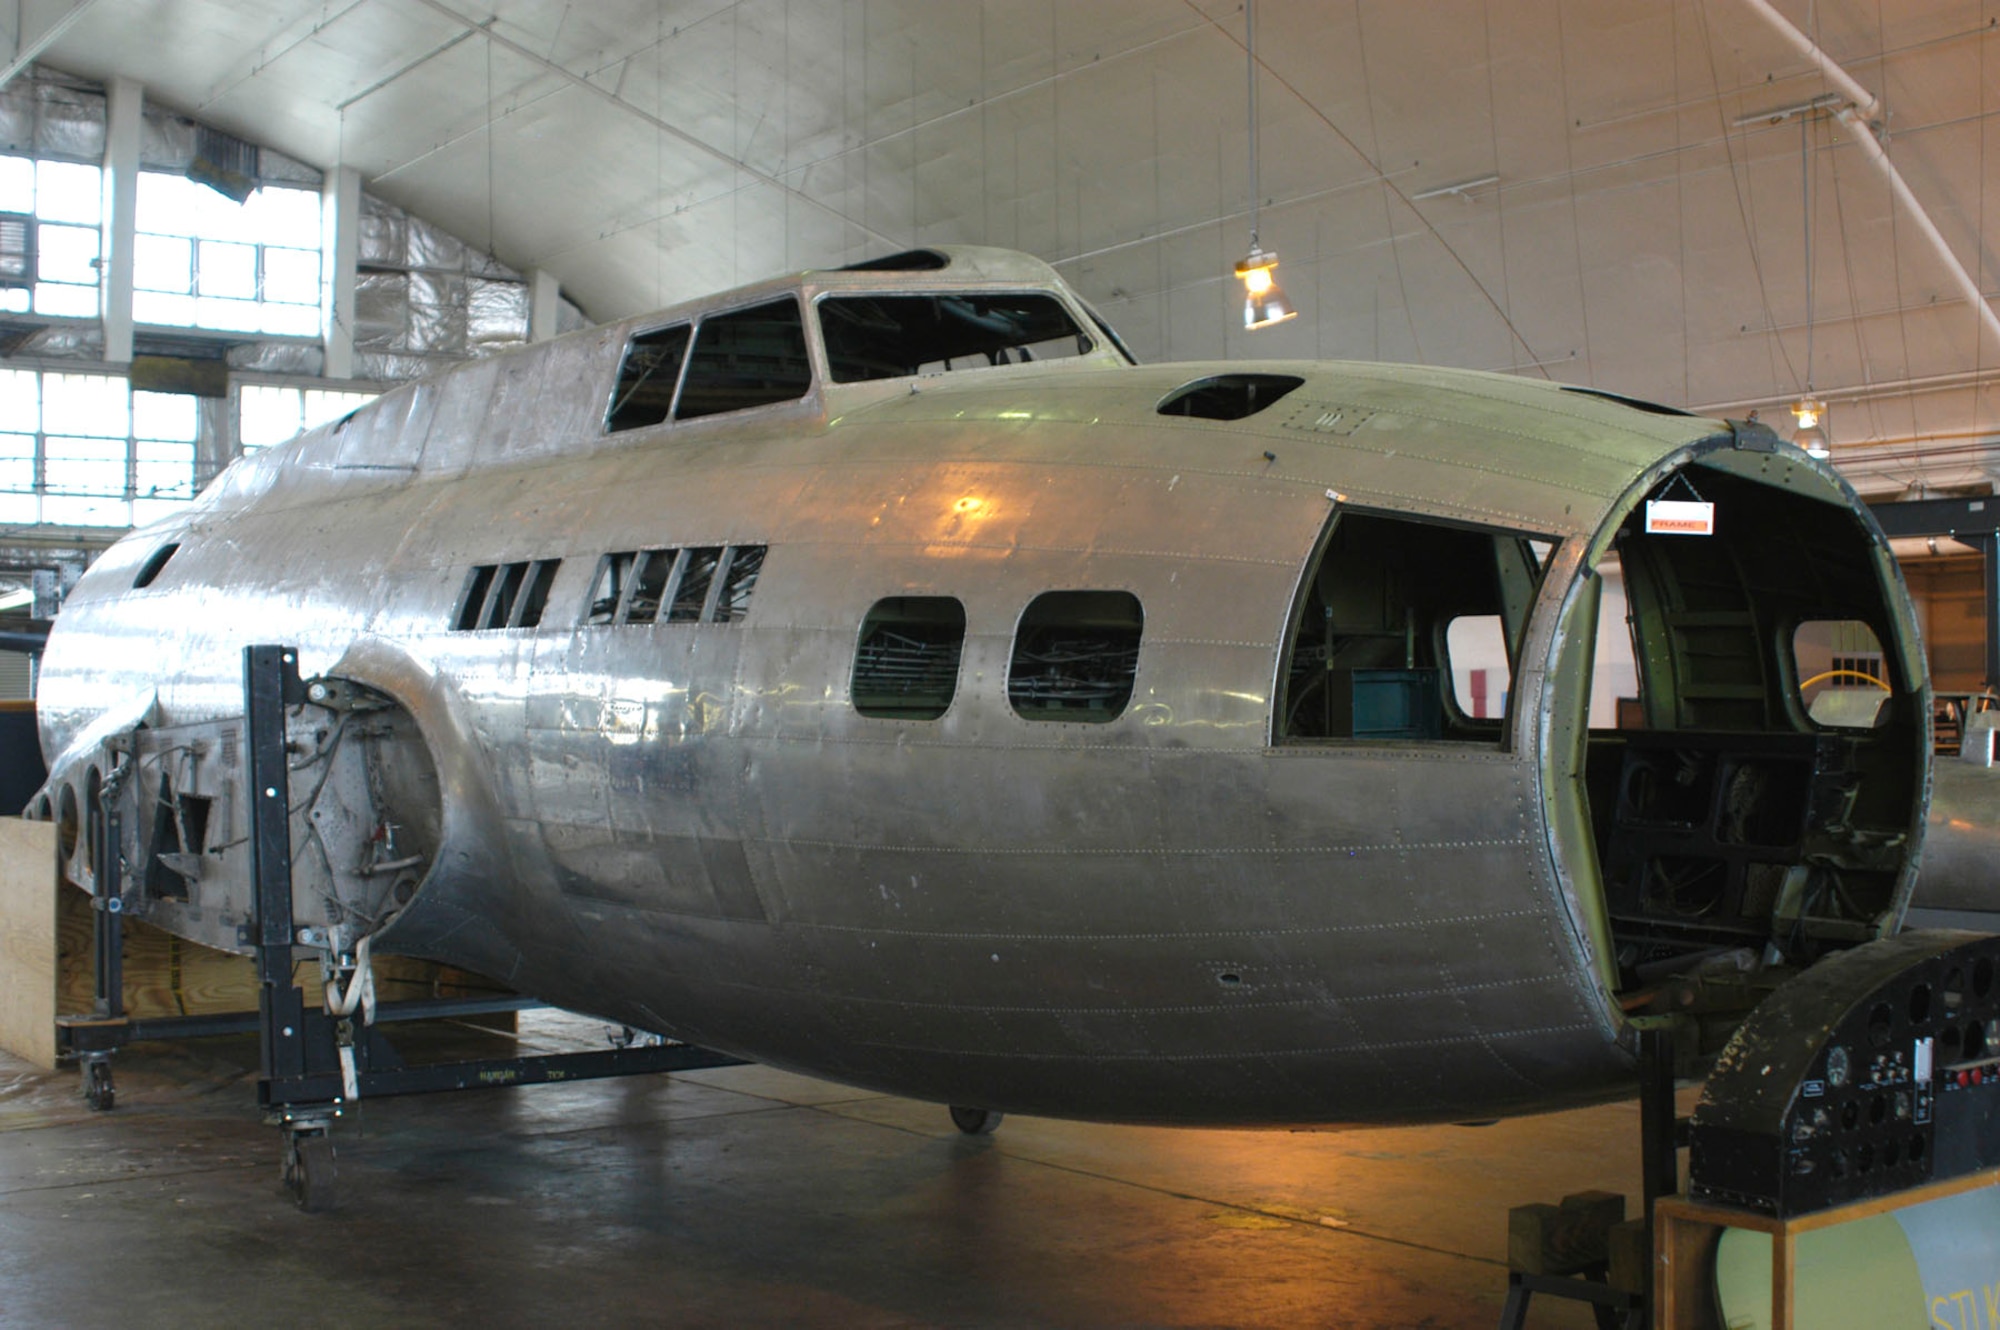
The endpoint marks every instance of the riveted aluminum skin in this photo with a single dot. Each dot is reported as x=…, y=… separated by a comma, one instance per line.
x=688, y=827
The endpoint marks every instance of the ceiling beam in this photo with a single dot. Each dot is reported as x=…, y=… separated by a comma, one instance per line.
x=672, y=131
x=27, y=52
x=1938, y=517
x=1859, y=118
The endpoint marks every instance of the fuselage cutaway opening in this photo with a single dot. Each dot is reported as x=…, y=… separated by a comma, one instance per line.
x=1408, y=629
x=1753, y=766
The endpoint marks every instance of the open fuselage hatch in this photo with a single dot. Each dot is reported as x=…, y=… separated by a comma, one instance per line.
x=1742, y=795
x=1754, y=809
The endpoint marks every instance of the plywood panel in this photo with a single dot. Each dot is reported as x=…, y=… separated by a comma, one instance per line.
x=170, y=976
x=28, y=940
x=1950, y=592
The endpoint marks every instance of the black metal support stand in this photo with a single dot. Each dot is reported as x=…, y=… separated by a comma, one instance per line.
x=1661, y=1131
x=1615, y=1309
x=107, y=930
x=1662, y=1134
x=311, y=1063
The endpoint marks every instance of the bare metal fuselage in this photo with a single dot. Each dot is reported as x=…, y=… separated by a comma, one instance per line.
x=1958, y=886
x=1167, y=917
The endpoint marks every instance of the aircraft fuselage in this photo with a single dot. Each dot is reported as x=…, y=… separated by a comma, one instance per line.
x=768, y=819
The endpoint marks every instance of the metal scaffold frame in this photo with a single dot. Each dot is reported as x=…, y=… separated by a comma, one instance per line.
x=313, y=1062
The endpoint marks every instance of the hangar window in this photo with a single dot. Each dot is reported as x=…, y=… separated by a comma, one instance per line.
x=893, y=336
x=750, y=357
x=646, y=380
x=267, y=415
x=246, y=263
x=1408, y=629
x=87, y=450
x=906, y=664
x=505, y=595
x=53, y=259
x=1076, y=654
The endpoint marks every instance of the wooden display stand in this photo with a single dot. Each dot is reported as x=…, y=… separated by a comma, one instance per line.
x=1684, y=1233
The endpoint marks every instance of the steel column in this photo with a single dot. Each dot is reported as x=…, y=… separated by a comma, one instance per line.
x=1989, y=602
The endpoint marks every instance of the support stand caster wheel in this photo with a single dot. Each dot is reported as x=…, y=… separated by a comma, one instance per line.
x=98, y=1090
x=976, y=1121
x=309, y=1172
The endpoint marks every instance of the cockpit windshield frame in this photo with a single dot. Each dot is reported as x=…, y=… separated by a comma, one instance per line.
x=874, y=335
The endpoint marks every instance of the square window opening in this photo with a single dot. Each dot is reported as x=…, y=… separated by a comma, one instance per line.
x=1843, y=677
x=906, y=661
x=542, y=577
x=500, y=609
x=745, y=563
x=614, y=572
x=1076, y=656
x=473, y=599
x=656, y=567
x=690, y=596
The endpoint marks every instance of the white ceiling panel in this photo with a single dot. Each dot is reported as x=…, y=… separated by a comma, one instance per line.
x=1637, y=238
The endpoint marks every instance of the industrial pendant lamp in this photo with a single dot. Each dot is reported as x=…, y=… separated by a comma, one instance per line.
x=1810, y=435
x=1809, y=411
x=1264, y=301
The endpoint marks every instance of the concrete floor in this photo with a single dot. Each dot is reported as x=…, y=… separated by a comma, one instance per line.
x=747, y=1197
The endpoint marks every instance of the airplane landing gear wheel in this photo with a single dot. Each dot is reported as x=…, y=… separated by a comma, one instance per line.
x=976, y=1121
x=98, y=1090
x=309, y=1172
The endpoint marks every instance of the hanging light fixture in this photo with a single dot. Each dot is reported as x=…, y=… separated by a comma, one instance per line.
x=1809, y=411
x=1264, y=301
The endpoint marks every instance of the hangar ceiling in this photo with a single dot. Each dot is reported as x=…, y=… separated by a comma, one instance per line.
x=1584, y=189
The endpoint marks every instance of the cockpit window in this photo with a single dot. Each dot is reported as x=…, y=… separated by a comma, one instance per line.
x=647, y=378
x=748, y=357
x=893, y=336
x=1409, y=630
